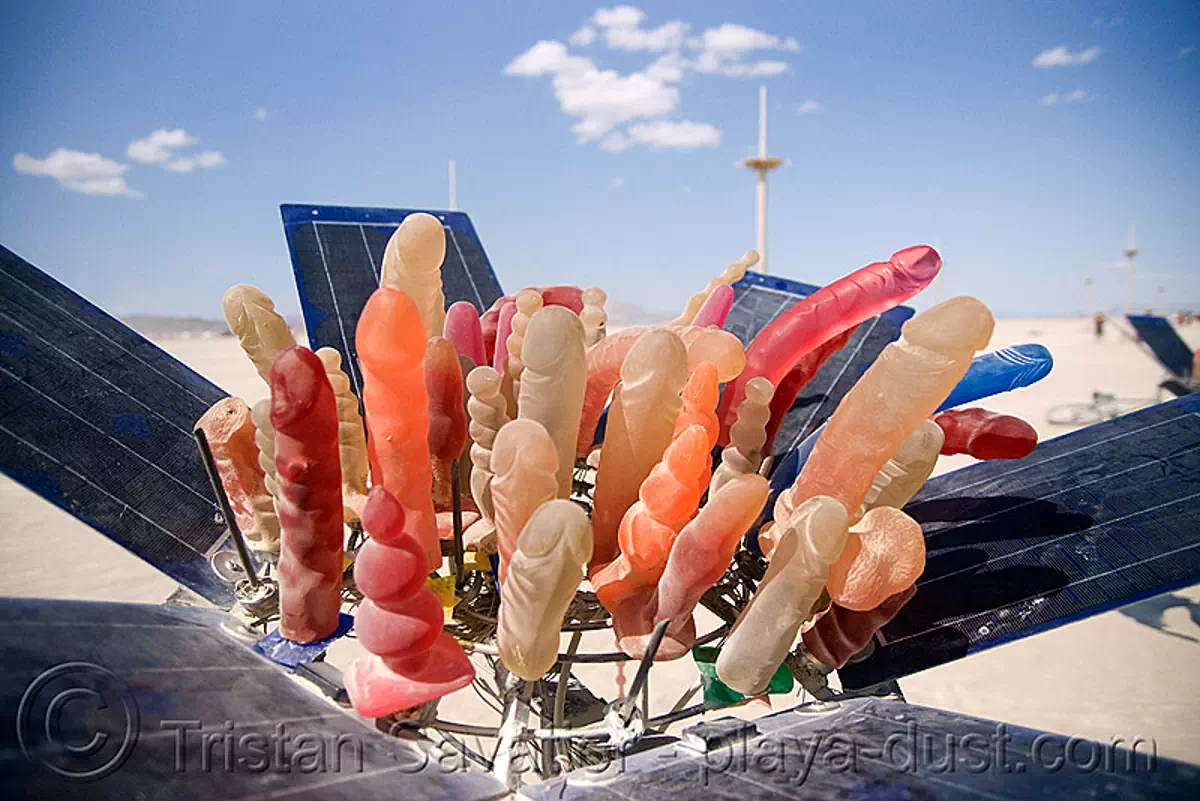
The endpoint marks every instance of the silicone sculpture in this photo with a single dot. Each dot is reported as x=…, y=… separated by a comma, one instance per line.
x=604, y=366
x=640, y=425
x=412, y=263
x=528, y=303
x=464, y=332
x=565, y=295
x=304, y=415
x=488, y=415
x=230, y=433
x=840, y=633
x=795, y=381
x=260, y=330
x=903, y=474
x=986, y=435
x=352, y=439
x=731, y=275
x=525, y=467
x=542, y=577
x=667, y=500
x=884, y=554
x=766, y=628
x=593, y=316
x=411, y=660
x=447, y=416
x=1001, y=371
x=391, y=352
x=897, y=392
x=715, y=310
x=747, y=437
x=553, y=382
x=700, y=556
x=699, y=404
x=826, y=313
x=264, y=440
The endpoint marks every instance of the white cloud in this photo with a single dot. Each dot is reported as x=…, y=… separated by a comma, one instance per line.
x=158, y=145
x=668, y=68
x=206, y=158
x=89, y=173
x=759, y=69
x=583, y=37
x=261, y=114
x=617, y=183
x=1062, y=57
x=665, y=134
x=1184, y=52
x=548, y=57
x=722, y=48
x=810, y=107
x=1055, y=98
x=623, y=30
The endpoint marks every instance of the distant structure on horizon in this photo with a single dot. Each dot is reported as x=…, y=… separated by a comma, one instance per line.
x=762, y=164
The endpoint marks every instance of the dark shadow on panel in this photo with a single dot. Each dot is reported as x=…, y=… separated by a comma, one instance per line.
x=1152, y=612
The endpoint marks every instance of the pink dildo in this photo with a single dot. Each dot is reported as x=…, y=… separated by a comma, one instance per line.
x=391, y=353
x=504, y=327
x=447, y=416
x=464, y=332
x=411, y=660
x=797, y=379
x=716, y=309
x=562, y=295
x=309, y=474
x=826, y=313
x=986, y=435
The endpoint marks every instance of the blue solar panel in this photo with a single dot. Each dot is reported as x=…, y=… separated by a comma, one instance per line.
x=1088, y=522
x=98, y=421
x=167, y=684
x=759, y=299
x=337, y=253
x=875, y=749
x=1170, y=350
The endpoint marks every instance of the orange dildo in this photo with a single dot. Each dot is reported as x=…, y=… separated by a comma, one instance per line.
x=884, y=554
x=304, y=415
x=230, y=433
x=826, y=313
x=841, y=633
x=447, y=416
x=412, y=263
x=411, y=660
x=391, y=353
x=640, y=425
x=986, y=435
x=900, y=390
x=667, y=500
x=524, y=465
x=604, y=362
x=699, y=396
x=700, y=556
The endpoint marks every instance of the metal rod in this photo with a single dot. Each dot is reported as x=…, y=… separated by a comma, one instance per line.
x=643, y=671
x=600, y=659
x=459, y=563
x=560, y=696
x=214, y=478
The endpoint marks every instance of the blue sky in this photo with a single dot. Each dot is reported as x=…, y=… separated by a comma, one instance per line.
x=608, y=158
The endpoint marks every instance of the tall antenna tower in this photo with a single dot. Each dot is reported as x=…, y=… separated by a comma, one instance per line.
x=1130, y=253
x=762, y=164
x=453, y=187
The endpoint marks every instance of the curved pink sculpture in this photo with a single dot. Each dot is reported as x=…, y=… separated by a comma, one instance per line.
x=840, y=633
x=986, y=435
x=503, y=329
x=716, y=308
x=464, y=332
x=826, y=313
x=411, y=659
x=447, y=416
x=309, y=475
x=391, y=353
x=884, y=554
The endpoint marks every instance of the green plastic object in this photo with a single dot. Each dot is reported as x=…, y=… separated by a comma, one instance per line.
x=717, y=694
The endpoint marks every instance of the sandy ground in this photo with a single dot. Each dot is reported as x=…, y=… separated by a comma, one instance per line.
x=1128, y=673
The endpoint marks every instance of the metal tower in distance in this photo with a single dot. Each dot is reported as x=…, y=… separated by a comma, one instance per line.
x=762, y=164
